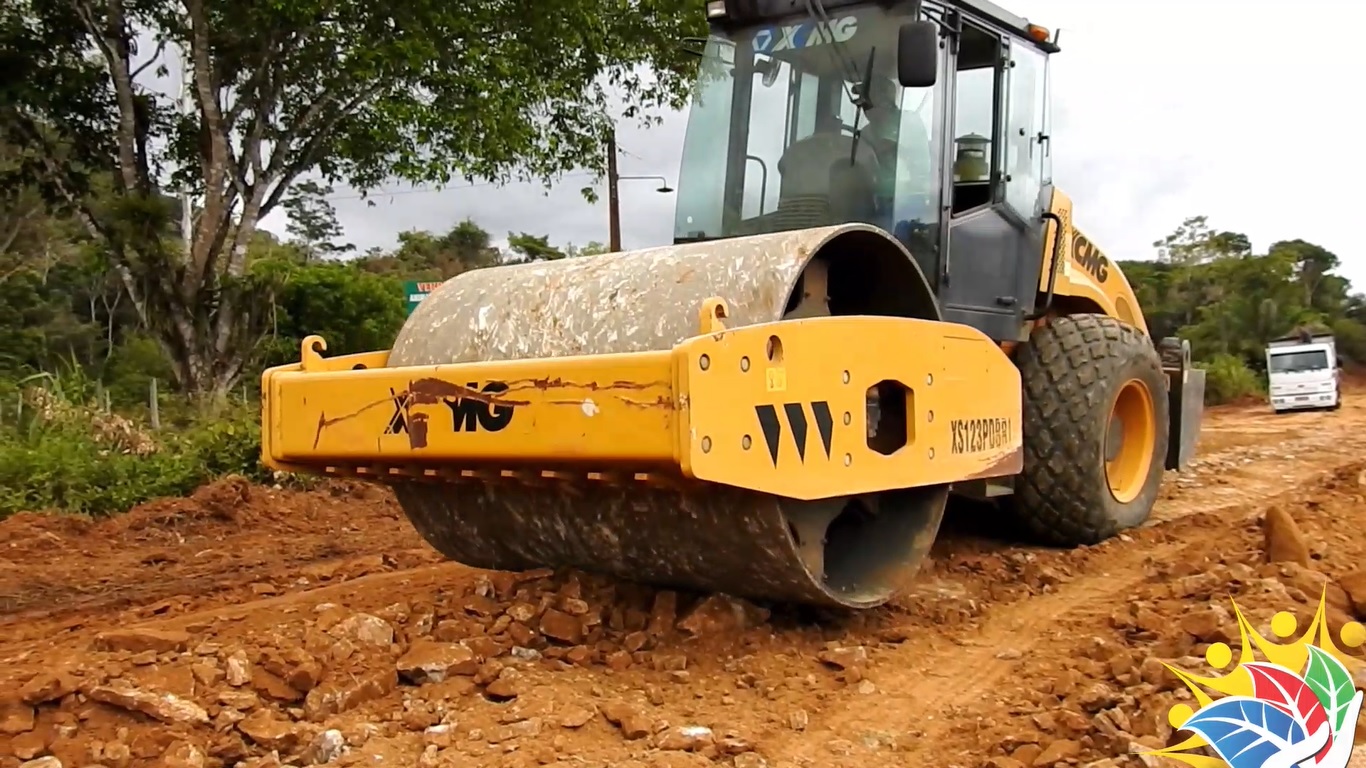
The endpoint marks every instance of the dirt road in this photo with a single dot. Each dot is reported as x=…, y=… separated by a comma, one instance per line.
x=248, y=626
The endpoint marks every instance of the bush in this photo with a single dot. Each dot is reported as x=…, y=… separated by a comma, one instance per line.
x=230, y=445
x=77, y=458
x=1228, y=378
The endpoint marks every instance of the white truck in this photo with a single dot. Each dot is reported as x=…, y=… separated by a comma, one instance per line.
x=1302, y=372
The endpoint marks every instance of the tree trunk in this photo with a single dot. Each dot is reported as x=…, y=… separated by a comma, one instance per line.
x=204, y=380
x=202, y=371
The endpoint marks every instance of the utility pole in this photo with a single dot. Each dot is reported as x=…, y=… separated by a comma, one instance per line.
x=613, y=202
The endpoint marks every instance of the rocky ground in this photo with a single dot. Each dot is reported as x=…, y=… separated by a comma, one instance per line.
x=255, y=627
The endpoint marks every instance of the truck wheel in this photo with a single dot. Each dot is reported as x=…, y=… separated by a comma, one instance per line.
x=1095, y=430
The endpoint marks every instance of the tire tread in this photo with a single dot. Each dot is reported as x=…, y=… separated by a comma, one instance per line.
x=1067, y=370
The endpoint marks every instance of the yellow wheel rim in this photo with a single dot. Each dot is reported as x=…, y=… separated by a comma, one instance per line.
x=1129, y=439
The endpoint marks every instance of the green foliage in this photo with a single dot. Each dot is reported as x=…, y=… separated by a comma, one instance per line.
x=65, y=328
x=591, y=249
x=66, y=454
x=355, y=310
x=132, y=366
x=348, y=91
x=229, y=445
x=61, y=470
x=1193, y=242
x=313, y=222
x=1351, y=339
x=1227, y=378
x=533, y=248
x=525, y=247
x=426, y=256
x=1211, y=288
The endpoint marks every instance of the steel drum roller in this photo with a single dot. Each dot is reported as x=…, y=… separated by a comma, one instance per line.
x=843, y=551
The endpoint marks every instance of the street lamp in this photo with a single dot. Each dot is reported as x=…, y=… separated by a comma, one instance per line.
x=664, y=187
x=613, y=201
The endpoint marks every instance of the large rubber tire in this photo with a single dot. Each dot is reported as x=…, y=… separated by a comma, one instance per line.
x=1072, y=369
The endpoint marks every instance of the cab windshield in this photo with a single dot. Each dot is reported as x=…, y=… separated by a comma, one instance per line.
x=1299, y=362
x=771, y=145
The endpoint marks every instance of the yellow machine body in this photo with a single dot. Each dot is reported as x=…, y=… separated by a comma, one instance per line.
x=777, y=406
x=763, y=415
x=1086, y=280
x=689, y=413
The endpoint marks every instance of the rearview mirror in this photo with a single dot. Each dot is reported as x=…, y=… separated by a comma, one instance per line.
x=917, y=54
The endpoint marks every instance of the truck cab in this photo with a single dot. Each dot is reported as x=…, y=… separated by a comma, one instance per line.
x=1302, y=373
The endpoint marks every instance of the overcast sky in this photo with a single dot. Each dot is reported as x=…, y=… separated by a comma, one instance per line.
x=1162, y=109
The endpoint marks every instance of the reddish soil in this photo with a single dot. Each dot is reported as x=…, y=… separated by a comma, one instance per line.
x=262, y=627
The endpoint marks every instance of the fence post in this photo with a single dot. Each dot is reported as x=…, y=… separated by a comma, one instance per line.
x=153, y=404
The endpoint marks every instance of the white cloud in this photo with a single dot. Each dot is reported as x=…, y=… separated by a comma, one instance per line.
x=1162, y=109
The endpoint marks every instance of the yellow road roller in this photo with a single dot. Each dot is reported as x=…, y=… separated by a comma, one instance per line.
x=875, y=298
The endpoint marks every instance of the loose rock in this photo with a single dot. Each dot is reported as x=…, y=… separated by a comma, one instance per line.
x=719, y=613
x=431, y=662
x=1285, y=543
x=633, y=723
x=560, y=626
x=364, y=628
x=688, y=738
x=140, y=640
x=1354, y=584
x=843, y=658
x=16, y=719
x=270, y=732
x=165, y=707
x=576, y=717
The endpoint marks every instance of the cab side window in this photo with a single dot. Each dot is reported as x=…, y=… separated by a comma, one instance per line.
x=977, y=111
x=1025, y=162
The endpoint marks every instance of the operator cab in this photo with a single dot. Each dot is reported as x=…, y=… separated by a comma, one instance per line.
x=809, y=114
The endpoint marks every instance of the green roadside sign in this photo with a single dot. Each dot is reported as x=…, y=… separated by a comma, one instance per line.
x=415, y=292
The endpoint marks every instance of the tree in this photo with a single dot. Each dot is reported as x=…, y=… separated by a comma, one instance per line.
x=352, y=91
x=593, y=248
x=1209, y=287
x=1193, y=242
x=1192, y=245
x=532, y=248
x=425, y=256
x=313, y=222
x=355, y=310
x=1311, y=264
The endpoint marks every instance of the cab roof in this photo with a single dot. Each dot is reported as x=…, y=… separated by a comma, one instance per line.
x=985, y=10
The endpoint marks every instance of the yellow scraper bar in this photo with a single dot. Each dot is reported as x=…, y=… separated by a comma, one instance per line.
x=780, y=408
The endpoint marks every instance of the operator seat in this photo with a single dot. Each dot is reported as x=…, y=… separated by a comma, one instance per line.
x=819, y=186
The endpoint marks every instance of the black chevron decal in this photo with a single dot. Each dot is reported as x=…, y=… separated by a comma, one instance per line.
x=796, y=417
x=825, y=423
x=773, y=429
